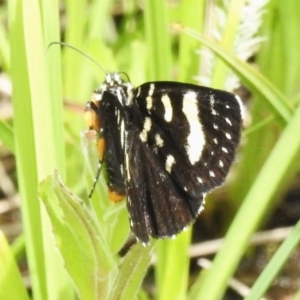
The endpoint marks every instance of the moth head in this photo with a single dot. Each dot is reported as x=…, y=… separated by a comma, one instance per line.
x=113, y=79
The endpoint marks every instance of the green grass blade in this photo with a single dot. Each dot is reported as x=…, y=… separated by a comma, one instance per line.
x=98, y=18
x=132, y=272
x=281, y=256
x=36, y=146
x=4, y=47
x=158, y=40
x=18, y=247
x=7, y=136
x=192, y=15
x=85, y=31
x=74, y=36
x=50, y=14
x=268, y=182
x=99, y=15
x=25, y=151
x=289, y=10
x=172, y=258
x=11, y=283
x=254, y=80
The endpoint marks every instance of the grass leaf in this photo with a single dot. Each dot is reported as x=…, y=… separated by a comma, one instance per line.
x=131, y=273
x=11, y=282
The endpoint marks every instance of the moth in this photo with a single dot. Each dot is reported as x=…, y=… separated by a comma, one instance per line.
x=166, y=145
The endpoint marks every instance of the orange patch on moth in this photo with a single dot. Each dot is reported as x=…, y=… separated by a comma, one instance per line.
x=115, y=197
x=101, y=147
x=91, y=119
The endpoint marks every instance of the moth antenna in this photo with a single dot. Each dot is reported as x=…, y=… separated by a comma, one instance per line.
x=79, y=51
x=125, y=74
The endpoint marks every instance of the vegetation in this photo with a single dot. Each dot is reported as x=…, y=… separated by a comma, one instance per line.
x=72, y=245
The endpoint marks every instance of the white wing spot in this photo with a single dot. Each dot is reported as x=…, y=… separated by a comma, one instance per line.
x=151, y=90
x=199, y=179
x=212, y=174
x=143, y=136
x=147, y=127
x=228, y=121
x=215, y=141
x=127, y=167
x=149, y=102
x=149, y=99
x=228, y=136
x=147, y=124
x=169, y=163
x=212, y=104
x=158, y=140
x=196, y=138
x=221, y=164
x=119, y=96
x=168, y=108
x=216, y=126
x=224, y=149
x=122, y=133
x=129, y=89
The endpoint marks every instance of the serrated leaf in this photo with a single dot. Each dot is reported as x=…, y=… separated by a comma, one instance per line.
x=83, y=247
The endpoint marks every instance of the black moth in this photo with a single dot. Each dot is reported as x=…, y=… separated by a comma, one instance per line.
x=166, y=145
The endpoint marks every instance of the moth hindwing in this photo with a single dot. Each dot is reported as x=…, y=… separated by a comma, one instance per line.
x=166, y=145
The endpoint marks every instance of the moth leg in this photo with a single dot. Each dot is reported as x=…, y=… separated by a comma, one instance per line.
x=101, y=146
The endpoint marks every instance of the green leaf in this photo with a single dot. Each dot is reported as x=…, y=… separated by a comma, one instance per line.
x=11, y=283
x=37, y=124
x=132, y=272
x=173, y=262
x=284, y=252
x=85, y=252
x=7, y=136
x=158, y=40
